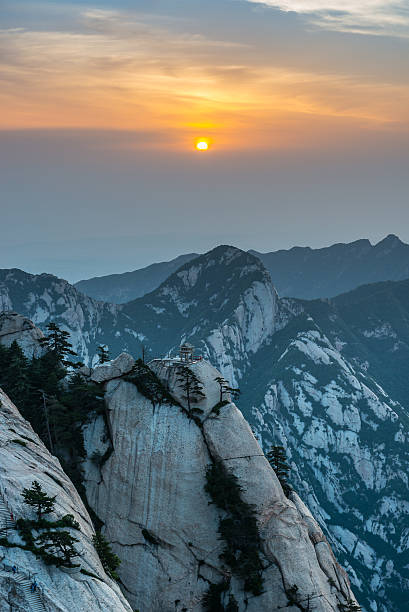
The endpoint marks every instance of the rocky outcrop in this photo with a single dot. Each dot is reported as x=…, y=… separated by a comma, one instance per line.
x=15, y=327
x=123, y=364
x=150, y=493
x=23, y=459
x=347, y=441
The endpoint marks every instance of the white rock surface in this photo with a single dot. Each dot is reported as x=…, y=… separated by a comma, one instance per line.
x=21, y=463
x=123, y=364
x=150, y=494
x=15, y=327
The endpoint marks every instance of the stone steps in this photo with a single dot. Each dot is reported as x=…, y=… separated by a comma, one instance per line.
x=5, y=517
x=32, y=598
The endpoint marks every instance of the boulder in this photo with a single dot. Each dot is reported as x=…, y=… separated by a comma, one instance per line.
x=15, y=327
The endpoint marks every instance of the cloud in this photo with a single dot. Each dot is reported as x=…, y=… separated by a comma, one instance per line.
x=121, y=72
x=375, y=17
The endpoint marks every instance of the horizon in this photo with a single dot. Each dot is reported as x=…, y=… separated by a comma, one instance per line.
x=373, y=243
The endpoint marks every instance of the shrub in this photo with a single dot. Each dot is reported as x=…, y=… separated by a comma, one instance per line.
x=110, y=561
x=238, y=529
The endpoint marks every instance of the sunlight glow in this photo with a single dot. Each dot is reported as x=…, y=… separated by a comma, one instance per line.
x=202, y=145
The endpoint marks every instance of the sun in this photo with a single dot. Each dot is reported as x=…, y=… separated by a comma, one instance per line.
x=202, y=145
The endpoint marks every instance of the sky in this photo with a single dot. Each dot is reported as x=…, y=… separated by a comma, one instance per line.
x=304, y=103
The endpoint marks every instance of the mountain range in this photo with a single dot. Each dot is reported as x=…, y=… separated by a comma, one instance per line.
x=300, y=272
x=121, y=288
x=326, y=378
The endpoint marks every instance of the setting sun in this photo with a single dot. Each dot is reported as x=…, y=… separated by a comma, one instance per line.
x=202, y=145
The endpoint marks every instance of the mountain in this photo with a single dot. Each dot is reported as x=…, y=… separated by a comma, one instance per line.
x=121, y=288
x=348, y=442
x=224, y=296
x=300, y=272
x=43, y=298
x=23, y=459
x=178, y=538
x=307, y=273
x=327, y=378
x=223, y=302
x=370, y=326
x=184, y=494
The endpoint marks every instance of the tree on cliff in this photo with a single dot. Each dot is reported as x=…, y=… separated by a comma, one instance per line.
x=59, y=545
x=223, y=386
x=110, y=561
x=103, y=353
x=192, y=388
x=278, y=461
x=38, y=499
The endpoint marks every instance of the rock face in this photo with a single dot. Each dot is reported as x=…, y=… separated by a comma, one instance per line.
x=150, y=493
x=113, y=369
x=15, y=327
x=23, y=459
x=223, y=302
x=44, y=298
x=348, y=442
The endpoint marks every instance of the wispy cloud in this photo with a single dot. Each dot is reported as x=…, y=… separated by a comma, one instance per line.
x=371, y=17
x=121, y=72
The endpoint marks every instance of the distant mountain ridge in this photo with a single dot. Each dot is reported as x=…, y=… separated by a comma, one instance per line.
x=299, y=272
x=306, y=273
x=122, y=288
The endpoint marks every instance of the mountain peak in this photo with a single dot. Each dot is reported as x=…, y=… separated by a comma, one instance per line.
x=391, y=240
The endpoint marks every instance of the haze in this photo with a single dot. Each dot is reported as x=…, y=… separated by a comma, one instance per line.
x=101, y=105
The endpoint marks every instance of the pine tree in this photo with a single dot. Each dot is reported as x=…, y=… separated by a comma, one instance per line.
x=110, y=561
x=15, y=376
x=37, y=498
x=278, y=461
x=191, y=387
x=103, y=353
x=223, y=386
x=57, y=343
x=59, y=544
x=234, y=392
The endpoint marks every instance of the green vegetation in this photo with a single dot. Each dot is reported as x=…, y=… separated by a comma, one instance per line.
x=225, y=388
x=217, y=407
x=56, y=409
x=212, y=600
x=192, y=390
x=58, y=346
x=278, y=461
x=110, y=561
x=103, y=353
x=149, y=385
x=46, y=539
x=238, y=529
x=38, y=499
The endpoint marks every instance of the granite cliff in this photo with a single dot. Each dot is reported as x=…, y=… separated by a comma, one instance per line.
x=24, y=459
x=151, y=495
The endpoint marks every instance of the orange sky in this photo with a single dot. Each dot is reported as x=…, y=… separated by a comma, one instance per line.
x=121, y=70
